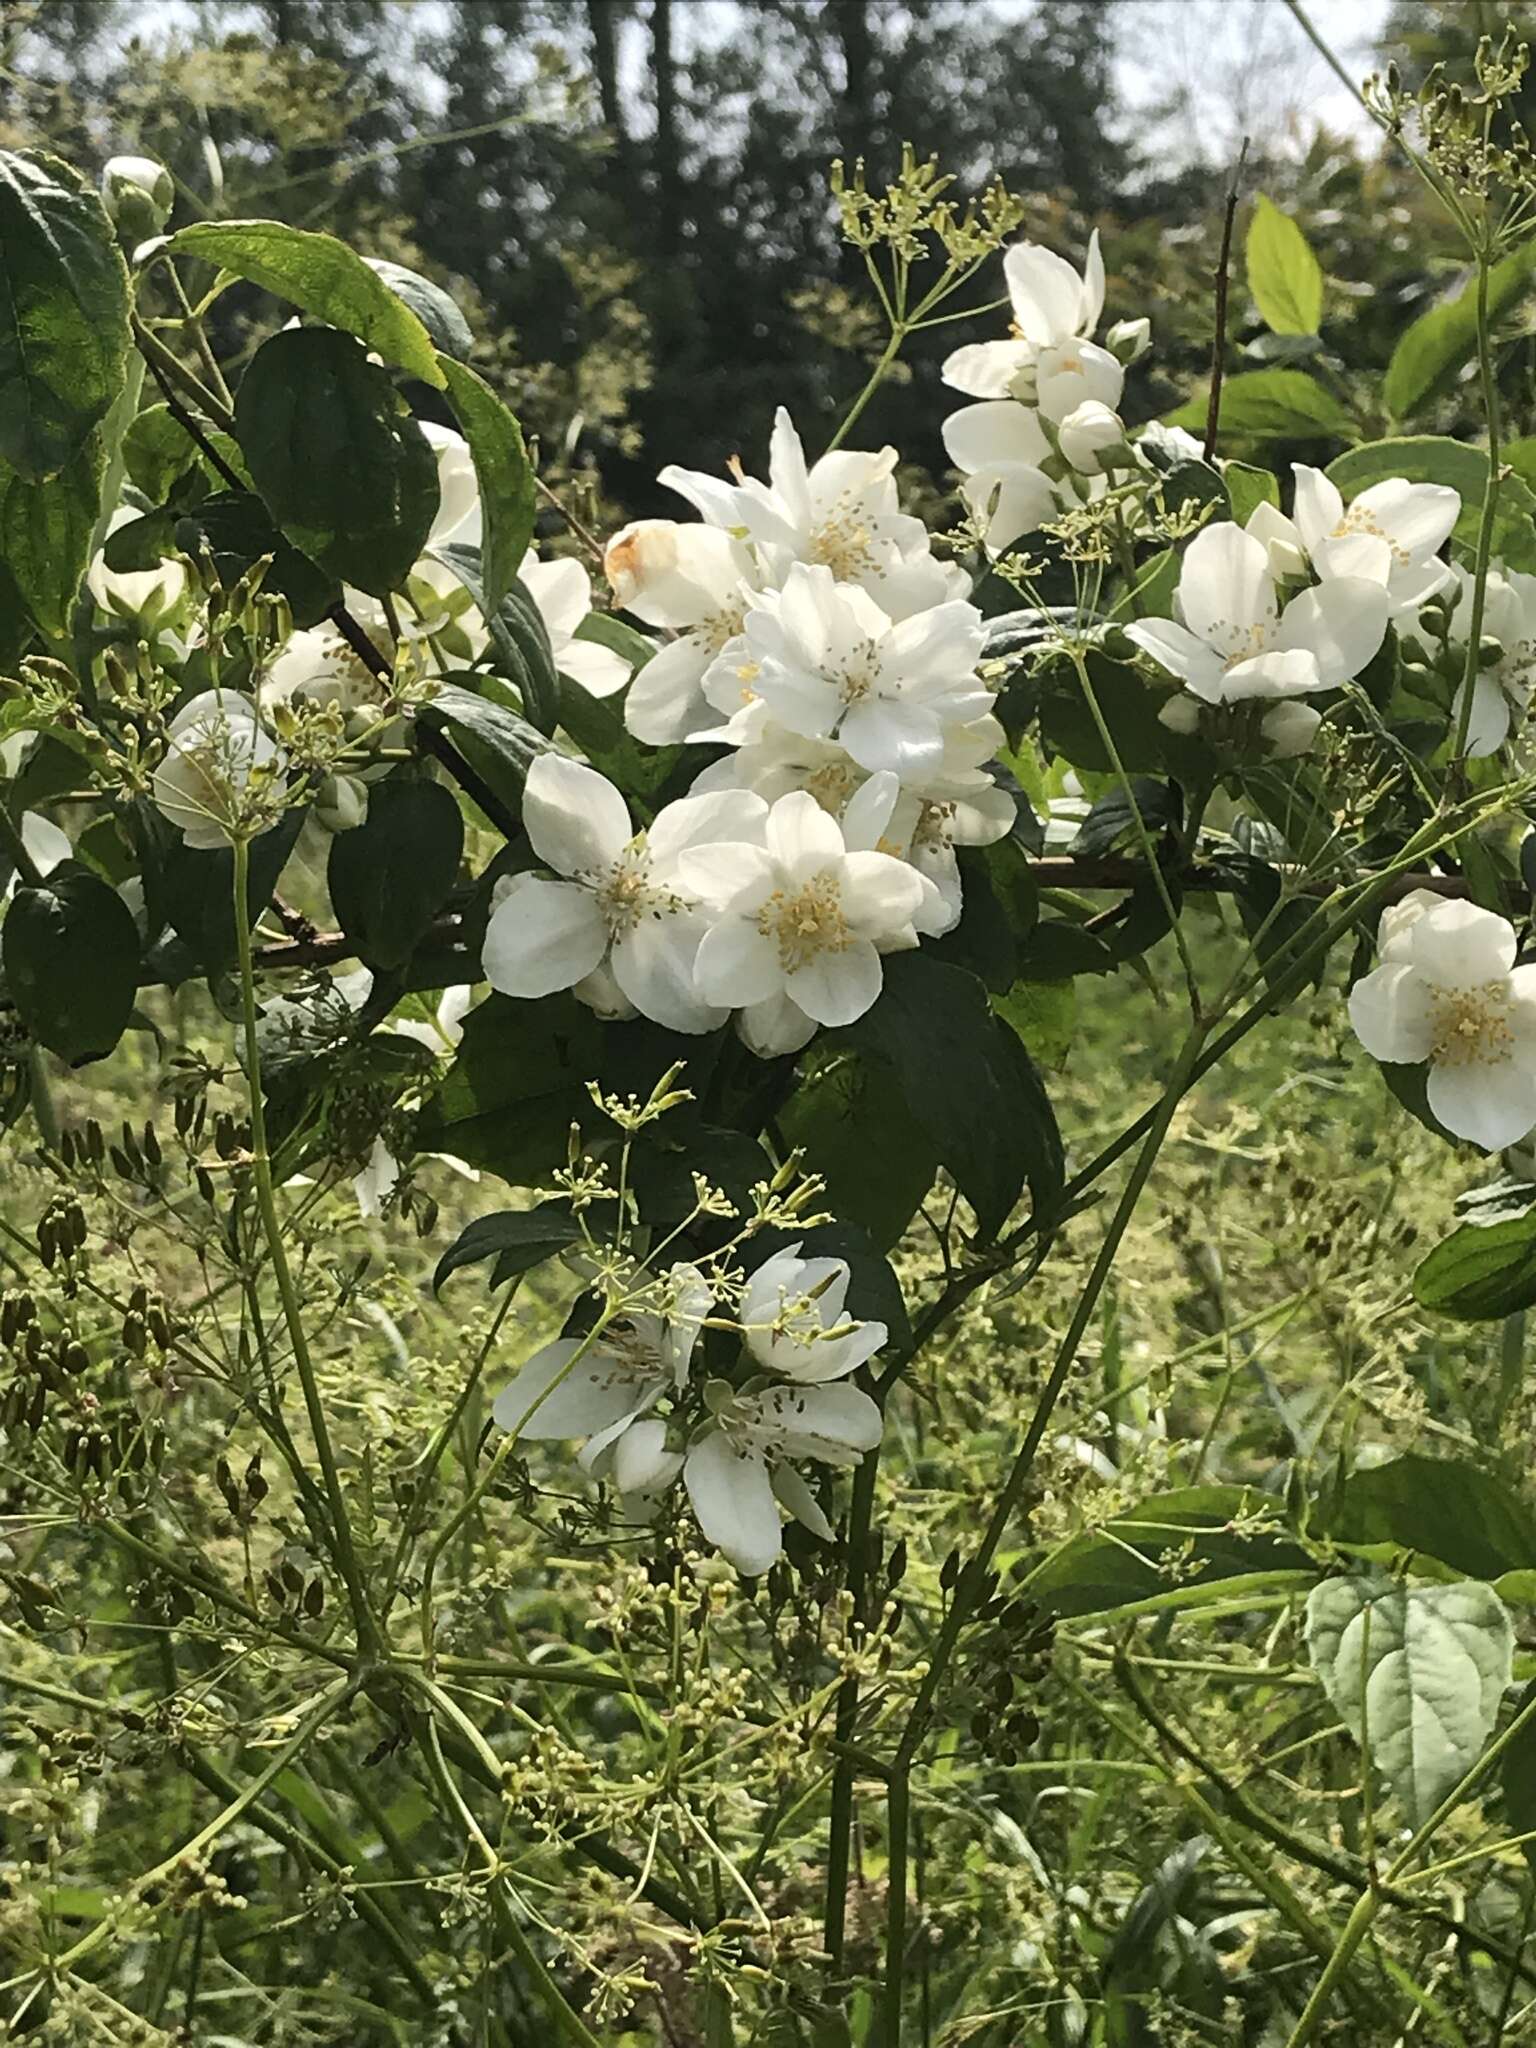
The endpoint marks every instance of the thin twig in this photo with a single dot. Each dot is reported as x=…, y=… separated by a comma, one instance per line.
x=1219, y=338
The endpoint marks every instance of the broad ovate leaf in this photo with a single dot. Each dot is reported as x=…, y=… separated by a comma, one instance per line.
x=1283, y=274
x=1415, y=1673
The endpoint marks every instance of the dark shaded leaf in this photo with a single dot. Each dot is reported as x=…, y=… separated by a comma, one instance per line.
x=70, y=949
x=519, y=638
x=1482, y=1272
x=235, y=528
x=1210, y=1528
x=851, y=1120
x=1444, y=1507
x=446, y=326
x=505, y=477
x=46, y=531
x=517, y=1239
x=389, y=877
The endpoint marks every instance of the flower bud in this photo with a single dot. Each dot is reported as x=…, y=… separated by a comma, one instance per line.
x=1490, y=652
x=341, y=803
x=1289, y=729
x=138, y=194
x=1128, y=339
x=1092, y=438
x=1180, y=714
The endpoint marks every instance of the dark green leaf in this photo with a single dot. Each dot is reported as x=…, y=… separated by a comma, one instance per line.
x=1044, y=1014
x=63, y=314
x=1113, y=819
x=1444, y=1507
x=195, y=889
x=321, y=276
x=1517, y=1776
x=446, y=326
x=1211, y=1529
x=1445, y=337
x=46, y=531
x=968, y=1082
x=597, y=726
x=235, y=529
x=389, y=877
x=1283, y=274
x=1127, y=705
x=851, y=1120
x=70, y=949
x=495, y=740
x=518, y=1083
x=1482, y=1272
x=519, y=638
x=505, y=477
x=517, y=1239
x=158, y=451
x=341, y=465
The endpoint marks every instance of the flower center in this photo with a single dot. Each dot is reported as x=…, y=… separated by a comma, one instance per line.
x=1471, y=1025
x=1241, y=643
x=832, y=785
x=843, y=542
x=721, y=626
x=806, y=923
x=627, y=893
x=859, y=676
x=1360, y=519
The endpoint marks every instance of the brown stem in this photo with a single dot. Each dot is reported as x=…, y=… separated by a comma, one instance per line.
x=1219, y=338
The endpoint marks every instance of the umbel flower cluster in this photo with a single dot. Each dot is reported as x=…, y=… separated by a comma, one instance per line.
x=804, y=632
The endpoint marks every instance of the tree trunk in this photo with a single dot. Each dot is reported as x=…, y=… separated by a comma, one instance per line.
x=858, y=116
x=602, y=22
x=668, y=171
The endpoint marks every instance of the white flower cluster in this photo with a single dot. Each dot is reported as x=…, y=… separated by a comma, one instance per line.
x=1046, y=430
x=1279, y=608
x=820, y=641
x=736, y=1457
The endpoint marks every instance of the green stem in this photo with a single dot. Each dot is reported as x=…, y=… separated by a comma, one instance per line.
x=272, y=1229
x=1486, y=523
x=876, y=378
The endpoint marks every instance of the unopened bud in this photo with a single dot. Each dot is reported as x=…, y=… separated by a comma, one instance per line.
x=342, y=803
x=138, y=194
x=1128, y=339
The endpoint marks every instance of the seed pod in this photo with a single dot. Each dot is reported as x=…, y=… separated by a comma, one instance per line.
x=275, y=1588
x=95, y=1143
x=293, y=1578
x=138, y=1301
x=67, y=1148
x=47, y=1241
x=314, y=1598
x=158, y=1323
x=224, y=1479
x=181, y=1115
x=256, y=1487
x=74, y=1357
x=121, y=1164
x=151, y=1145
x=204, y=1181
x=134, y=1339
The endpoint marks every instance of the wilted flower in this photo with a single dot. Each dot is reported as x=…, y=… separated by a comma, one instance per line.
x=1448, y=991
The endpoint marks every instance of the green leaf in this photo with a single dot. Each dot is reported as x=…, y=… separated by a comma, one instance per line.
x=1443, y=1507
x=1129, y=708
x=235, y=528
x=341, y=465
x=1283, y=274
x=158, y=452
x=851, y=1120
x=1272, y=405
x=195, y=889
x=46, y=531
x=518, y=1083
x=597, y=726
x=519, y=637
x=63, y=314
x=389, y=877
x=1482, y=1272
x=505, y=476
x=1044, y=1014
x=1417, y=1673
x=969, y=1085
x=517, y=1239
x=1445, y=337
x=321, y=276
x=1436, y=459
x=1216, y=1532
x=446, y=326
x=495, y=740
x=70, y=949
x=1248, y=489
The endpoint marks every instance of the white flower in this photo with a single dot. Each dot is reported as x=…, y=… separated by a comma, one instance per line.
x=792, y=1316
x=1448, y=991
x=738, y=1471
x=142, y=594
x=620, y=904
x=1129, y=339
x=1235, y=641
x=1052, y=306
x=799, y=926
x=1091, y=433
x=1391, y=534
x=881, y=817
x=697, y=580
x=599, y=1389
x=999, y=447
x=138, y=193
x=216, y=741
x=824, y=660
x=316, y=667
x=842, y=511
x=377, y=1181
x=1501, y=694
x=444, y=1031
x=458, y=516
x=562, y=592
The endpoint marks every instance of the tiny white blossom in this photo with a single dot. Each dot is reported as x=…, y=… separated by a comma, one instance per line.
x=794, y=1319
x=1448, y=991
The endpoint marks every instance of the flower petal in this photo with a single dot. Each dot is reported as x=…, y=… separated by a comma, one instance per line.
x=653, y=964
x=1493, y=1105
x=985, y=369
x=1418, y=517
x=736, y=966
x=792, y=1492
x=800, y=837
x=1392, y=1014
x=879, y=893
x=836, y=988
x=578, y=822
x=775, y=1025
x=1000, y=430
x=542, y=936
x=551, y=1397
x=733, y=1500
x=1176, y=649
x=1341, y=623
x=1319, y=507
x=1225, y=585
x=1460, y=945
